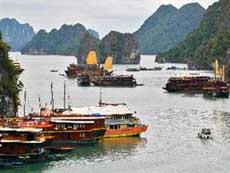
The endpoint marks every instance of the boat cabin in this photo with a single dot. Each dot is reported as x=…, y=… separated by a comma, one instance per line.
x=20, y=141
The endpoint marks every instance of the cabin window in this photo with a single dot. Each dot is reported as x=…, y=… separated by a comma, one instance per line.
x=115, y=127
x=75, y=126
x=82, y=135
x=130, y=125
x=82, y=125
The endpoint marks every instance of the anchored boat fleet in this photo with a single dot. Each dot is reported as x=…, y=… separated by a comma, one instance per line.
x=33, y=137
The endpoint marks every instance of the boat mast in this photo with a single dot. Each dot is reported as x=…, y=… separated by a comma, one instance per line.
x=64, y=94
x=100, y=97
x=39, y=101
x=24, y=106
x=52, y=96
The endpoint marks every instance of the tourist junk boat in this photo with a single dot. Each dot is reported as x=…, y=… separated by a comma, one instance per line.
x=90, y=68
x=201, y=84
x=63, y=129
x=218, y=88
x=19, y=145
x=120, y=121
x=187, y=83
x=107, y=80
x=68, y=129
x=115, y=80
x=87, y=79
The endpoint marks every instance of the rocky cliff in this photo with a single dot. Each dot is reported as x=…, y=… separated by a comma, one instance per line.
x=93, y=33
x=122, y=47
x=9, y=84
x=167, y=27
x=15, y=34
x=88, y=43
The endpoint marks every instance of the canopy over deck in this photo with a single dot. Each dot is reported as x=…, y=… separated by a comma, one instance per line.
x=100, y=110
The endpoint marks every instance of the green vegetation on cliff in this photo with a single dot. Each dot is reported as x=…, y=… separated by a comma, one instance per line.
x=167, y=27
x=208, y=42
x=65, y=41
x=122, y=47
x=9, y=84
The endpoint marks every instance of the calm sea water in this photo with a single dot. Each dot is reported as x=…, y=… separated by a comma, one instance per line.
x=169, y=146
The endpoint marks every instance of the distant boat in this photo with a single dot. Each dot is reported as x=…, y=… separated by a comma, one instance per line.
x=90, y=68
x=201, y=84
x=133, y=69
x=61, y=74
x=176, y=68
x=53, y=71
x=150, y=69
x=205, y=134
x=115, y=81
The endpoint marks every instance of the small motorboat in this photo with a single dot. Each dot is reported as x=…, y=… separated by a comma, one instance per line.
x=205, y=134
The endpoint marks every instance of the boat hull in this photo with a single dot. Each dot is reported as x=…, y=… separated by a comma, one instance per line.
x=71, y=137
x=125, y=132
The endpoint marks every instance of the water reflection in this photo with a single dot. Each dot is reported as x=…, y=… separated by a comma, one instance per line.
x=107, y=150
x=222, y=120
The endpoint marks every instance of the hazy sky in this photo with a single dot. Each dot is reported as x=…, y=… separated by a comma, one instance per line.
x=101, y=15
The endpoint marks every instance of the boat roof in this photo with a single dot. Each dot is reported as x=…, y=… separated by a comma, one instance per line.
x=77, y=118
x=118, y=122
x=31, y=130
x=21, y=141
x=100, y=110
x=72, y=122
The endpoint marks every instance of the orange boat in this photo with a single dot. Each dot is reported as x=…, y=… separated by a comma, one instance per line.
x=120, y=120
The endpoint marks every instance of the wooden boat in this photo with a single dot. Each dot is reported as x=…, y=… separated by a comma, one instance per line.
x=21, y=145
x=91, y=68
x=202, y=84
x=188, y=83
x=216, y=88
x=120, y=121
x=115, y=80
x=61, y=129
x=76, y=70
